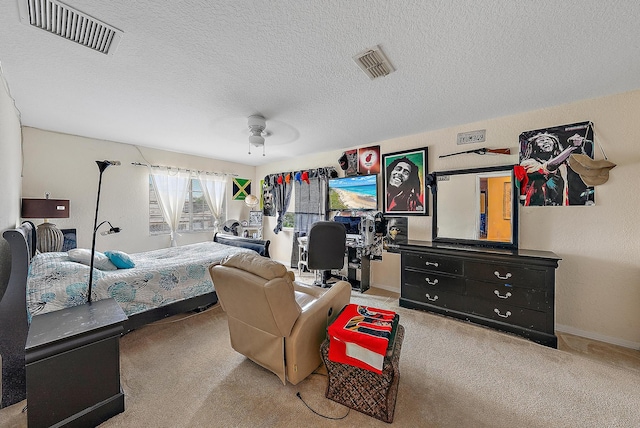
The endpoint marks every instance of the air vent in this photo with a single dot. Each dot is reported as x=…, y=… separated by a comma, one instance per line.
x=64, y=21
x=374, y=63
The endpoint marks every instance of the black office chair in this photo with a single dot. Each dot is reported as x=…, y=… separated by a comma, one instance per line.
x=326, y=247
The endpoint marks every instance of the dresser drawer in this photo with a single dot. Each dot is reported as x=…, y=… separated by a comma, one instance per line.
x=442, y=299
x=531, y=298
x=434, y=281
x=432, y=262
x=506, y=274
x=508, y=314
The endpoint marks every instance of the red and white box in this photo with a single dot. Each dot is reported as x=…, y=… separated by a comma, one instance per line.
x=362, y=336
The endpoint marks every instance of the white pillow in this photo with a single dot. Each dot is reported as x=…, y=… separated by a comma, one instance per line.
x=83, y=255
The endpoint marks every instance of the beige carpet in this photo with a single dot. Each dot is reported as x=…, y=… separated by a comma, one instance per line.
x=183, y=373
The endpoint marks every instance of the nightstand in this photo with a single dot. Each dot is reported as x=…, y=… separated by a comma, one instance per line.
x=73, y=365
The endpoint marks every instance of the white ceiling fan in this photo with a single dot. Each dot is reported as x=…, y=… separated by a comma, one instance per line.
x=236, y=129
x=257, y=132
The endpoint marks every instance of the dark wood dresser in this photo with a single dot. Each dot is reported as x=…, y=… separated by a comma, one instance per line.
x=73, y=365
x=509, y=290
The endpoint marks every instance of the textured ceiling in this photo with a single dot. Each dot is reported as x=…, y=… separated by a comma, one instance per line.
x=187, y=74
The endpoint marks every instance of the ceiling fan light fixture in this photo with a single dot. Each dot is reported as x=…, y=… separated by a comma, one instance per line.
x=256, y=125
x=257, y=121
x=256, y=140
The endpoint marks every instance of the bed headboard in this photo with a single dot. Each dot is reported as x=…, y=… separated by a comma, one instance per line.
x=28, y=232
x=14, y=324
x=257, y=245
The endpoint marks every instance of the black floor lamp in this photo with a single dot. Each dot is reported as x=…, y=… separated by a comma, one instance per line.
x=102, y=165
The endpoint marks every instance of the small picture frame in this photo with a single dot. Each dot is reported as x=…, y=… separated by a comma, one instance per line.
x=396, y=233
x=70, y=239
x=255, y=218
x=403, y=182
x=369, y=160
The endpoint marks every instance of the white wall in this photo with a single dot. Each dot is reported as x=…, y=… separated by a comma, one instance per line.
x=10, y=181
x=598, y=280
x=64, y=165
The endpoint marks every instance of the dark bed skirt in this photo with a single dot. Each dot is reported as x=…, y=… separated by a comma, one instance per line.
x=193, y=304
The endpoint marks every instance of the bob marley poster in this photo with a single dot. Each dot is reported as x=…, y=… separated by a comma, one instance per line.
x=546, y=178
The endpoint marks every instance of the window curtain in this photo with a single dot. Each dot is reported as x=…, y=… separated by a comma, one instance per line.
x=214, y=187
x=171, y=186
x=310, y=206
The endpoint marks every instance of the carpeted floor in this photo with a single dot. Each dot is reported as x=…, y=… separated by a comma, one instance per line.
x=182, y=372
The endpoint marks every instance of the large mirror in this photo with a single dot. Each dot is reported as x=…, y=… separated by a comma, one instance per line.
x=476, y=207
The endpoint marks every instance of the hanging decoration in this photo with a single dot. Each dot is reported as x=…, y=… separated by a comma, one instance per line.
x=544, y=155
x=349, y=162
x=241, y=188
x=268, y=206
x=481, y=151
x=404, y=182
x=276, y=190
x=369, y=160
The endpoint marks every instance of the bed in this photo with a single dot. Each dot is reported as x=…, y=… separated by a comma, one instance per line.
x=163, y=282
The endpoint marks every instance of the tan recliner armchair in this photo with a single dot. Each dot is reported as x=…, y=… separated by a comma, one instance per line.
x=274, y=321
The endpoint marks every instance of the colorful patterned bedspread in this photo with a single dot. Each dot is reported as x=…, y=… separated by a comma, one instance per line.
x=160, y=277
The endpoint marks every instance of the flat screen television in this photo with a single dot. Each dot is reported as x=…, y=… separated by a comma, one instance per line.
x=355, y=193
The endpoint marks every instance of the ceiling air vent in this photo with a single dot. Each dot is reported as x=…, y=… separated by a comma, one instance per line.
x=64, y=21
x=374, y=63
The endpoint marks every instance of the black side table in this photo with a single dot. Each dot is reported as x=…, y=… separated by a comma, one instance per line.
x=73, y=365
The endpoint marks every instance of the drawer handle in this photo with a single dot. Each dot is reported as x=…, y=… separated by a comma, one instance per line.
x=506, y=296
x=433, y=299
x=434, y=282
x=506, y=315
x=507, y=276
x=431, y=264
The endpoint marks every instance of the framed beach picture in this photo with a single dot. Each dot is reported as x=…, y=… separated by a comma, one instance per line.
x=403, y=184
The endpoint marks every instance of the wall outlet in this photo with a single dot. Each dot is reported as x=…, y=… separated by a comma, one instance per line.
x=472, y=137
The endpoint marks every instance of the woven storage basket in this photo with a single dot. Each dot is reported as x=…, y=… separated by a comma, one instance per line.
x=363, y=390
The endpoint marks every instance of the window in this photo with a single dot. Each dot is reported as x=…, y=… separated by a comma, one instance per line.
x=289, y=220
x=196, y=214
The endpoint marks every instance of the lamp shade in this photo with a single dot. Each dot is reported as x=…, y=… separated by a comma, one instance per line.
x=50, y=238
x=45, y=208
x=251, y=201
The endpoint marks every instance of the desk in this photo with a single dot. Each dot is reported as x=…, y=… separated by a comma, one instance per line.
x=358, y=267
x=73, y=365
